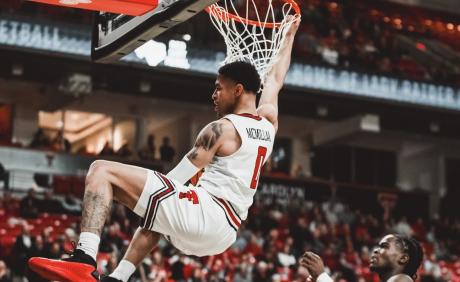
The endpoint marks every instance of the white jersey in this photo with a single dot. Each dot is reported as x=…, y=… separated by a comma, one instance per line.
x=234, y=178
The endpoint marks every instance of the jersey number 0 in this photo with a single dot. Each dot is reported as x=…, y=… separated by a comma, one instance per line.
x=261, y=153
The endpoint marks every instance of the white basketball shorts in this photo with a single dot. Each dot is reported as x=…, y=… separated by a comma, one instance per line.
x=193, y=220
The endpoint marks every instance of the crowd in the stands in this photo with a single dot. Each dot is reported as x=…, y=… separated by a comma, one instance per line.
x=367, y=36
x=267, y=249
x=55, y=141
x=358, y=35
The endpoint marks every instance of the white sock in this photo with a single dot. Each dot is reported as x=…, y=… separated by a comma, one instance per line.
x=123, y=271
x=89, y=243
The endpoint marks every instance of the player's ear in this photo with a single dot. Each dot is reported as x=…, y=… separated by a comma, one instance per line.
x=239, y=89
x=404, y=259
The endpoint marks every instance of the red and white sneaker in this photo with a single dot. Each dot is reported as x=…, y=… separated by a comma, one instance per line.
x=80, y=267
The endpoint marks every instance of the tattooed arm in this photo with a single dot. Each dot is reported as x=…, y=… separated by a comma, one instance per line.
x=209, y=142
x=215, y=139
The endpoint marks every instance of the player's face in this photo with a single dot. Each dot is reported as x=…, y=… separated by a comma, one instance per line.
x=385, y=255
x=224, y=96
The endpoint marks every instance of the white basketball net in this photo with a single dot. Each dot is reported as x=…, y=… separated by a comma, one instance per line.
x=257, y=45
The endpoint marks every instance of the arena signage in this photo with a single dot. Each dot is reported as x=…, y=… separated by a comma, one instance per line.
x=68, y=40
x=283, y=193
x=29, y=35
x=373, y=86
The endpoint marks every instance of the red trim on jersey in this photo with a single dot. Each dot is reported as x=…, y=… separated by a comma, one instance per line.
x=233, y=216
x=155, y=201
x=250, y=116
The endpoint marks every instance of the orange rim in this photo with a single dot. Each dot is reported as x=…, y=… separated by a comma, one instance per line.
x=224, y=16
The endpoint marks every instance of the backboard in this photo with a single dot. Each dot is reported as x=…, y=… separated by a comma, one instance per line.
x=116, y=35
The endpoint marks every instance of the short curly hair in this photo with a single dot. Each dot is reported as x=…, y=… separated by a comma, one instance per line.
x=244, y=73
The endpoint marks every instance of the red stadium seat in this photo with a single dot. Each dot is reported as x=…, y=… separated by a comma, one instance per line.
x=61, y=185
x=6, y=245
x=78, y=187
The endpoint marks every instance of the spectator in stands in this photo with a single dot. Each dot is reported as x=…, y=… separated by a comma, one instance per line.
x=60, y=143
x=29, y=205
x=299, y=172
x=147, y=153
x=243, y=272
x=40, y=140
x=54, y=250
x=155, y=269
x=124, y=151
x=22, y=250
x=8, y=203
x=264, y=245
x=38, y=248
x=402, y=227
x=432, y=270
x=112, y=240
x=42, y=179
x=177, y=269
x=4, y=273
x=4, y=177
x=107, y=150
x=71, y=205
x=396, y=258
x=49, y=204
x=262, y=272
x=166, y=151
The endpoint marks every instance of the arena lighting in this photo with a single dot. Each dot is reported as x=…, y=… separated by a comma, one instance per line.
x=428, y=22
x=420, y=46
x=187, y=37
x=145, y=86
x=174, y=55
x=333, y=5
x=177, y=55
x=152, y=51
x=17, y=70
x=322, y=111
x=458, y=28
x=450, y=26
x=74, y=116
x=434, y=127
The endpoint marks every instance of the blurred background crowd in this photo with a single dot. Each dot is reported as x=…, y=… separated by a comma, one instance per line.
x=268, y=247
x=347, y=167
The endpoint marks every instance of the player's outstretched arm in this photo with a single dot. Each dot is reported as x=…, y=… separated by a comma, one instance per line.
x=268, y=104
x=207, y=144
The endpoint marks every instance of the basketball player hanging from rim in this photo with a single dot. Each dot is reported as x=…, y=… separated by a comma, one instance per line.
x=201, y=221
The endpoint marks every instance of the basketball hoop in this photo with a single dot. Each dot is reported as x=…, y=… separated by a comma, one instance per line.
x=253, y=35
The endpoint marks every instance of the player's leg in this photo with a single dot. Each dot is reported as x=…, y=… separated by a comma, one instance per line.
x=106, y=181
x=141, y=245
